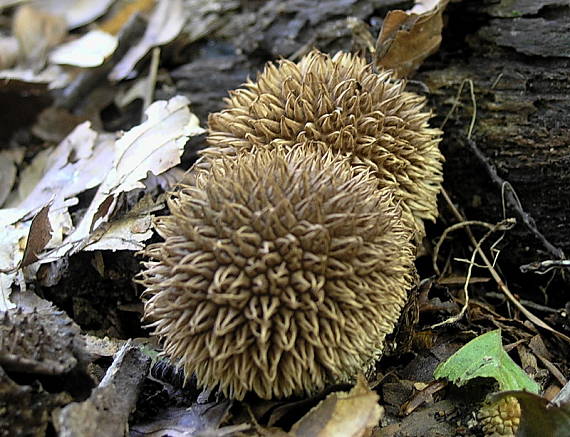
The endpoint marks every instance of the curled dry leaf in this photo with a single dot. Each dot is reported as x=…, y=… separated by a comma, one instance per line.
x=75, y=12
x=38, y=237
x=406, y=38
x=164, y=25
x=8, y=51
x=54, y=178
x=152, y=147
x=9, y=159
x=90, y=50
x=37, y=32
x=352, y=414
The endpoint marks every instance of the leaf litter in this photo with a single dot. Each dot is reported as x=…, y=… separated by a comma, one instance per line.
x=97, y=189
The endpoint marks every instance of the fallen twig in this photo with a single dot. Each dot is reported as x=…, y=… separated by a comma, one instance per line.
x=502, y=286
x=503, y=225
x=542, y=267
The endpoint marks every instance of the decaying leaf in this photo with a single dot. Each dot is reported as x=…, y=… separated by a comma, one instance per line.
x=37, y=31
x=59, y=174
x=352, y=414
x=8, y=51
x=152, y=147
x=164, y=25
x=75, y=12
x=130, y=231
x=90, y=50
x=9, y=159
x=407, y=38
x=38, y=237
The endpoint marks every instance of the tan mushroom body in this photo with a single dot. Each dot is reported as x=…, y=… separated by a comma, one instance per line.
x=287, y=260
x=279, y=273
x=338, y=103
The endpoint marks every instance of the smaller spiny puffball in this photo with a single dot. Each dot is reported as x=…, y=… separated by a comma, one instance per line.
x=279, y=273
x=339, y=103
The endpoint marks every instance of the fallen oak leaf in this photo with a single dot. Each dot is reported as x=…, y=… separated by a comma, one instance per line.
x=89, y=50
x=77, y=13
x=38, y=237
x=164, y=25
x=152, y=147
x=352, y=414
x=406, y=39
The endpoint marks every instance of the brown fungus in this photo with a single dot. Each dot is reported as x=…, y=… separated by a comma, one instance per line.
x=279, y=273
x=341, y=104
x=501, y=418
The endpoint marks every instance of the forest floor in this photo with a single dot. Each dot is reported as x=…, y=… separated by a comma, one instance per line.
x=106, y=107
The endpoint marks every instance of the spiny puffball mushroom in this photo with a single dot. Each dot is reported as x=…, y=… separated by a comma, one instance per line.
x=501, y=418
x=280, y=272
x=342, y=104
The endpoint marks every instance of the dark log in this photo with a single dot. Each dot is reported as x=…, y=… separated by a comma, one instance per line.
x=516, y=54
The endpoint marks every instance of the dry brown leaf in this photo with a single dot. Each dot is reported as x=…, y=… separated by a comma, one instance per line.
x=406, y=38
x=114, y=24
x=9, y=50
x=9, y=160
x=151, y=147
x=164, y=25
x=75, y=12
x=37, y=32
x=38, y=237
x=352, y=414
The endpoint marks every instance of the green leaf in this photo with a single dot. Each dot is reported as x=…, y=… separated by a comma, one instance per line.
x=484, y=357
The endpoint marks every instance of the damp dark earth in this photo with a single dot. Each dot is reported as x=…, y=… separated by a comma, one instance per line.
x=285, y=218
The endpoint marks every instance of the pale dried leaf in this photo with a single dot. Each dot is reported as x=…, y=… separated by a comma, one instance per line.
x=152, y=147
x=352, y=414
x=8, y=52
x=37, y=31
x=38, y=237
x=9, y=160
x=406, y=39
x=62, y=172
x=90, y=50
x=76, y=12
x=164, y=25
x=53, y=75
x=131, y=231
x=423, y=6
x=155, y=145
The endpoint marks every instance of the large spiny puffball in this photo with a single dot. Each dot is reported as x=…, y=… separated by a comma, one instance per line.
x=340, y=104
x=279, y=273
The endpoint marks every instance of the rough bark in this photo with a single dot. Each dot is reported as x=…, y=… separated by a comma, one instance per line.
x=516, y=53
x=517, y=58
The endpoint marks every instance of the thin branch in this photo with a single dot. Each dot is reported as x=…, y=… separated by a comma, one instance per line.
x=542, y=267
x=502, y=286
x=513, y=200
